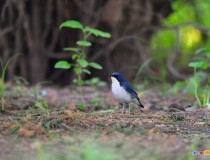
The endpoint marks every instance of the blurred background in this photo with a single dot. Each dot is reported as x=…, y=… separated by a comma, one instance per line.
x=152, y=40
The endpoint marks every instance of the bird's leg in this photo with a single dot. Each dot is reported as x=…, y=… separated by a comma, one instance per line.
x=129, y=109
x=123, y=108
x=127, y=106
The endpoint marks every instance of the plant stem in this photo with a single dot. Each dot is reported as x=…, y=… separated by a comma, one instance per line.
x=3, y=87
x=84, y=39
x=4, y=67
x=82, y=53
x=2, y=94
x=196, y=87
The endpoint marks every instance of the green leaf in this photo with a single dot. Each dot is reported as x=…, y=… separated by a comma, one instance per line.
x=94, y=80
x=83, y=62
x=84, y=43
x=95, y=65
x=202, y=64
x=71, y=24
x=200, y=50
x=78, y=82
x=81, y=106
x=77, y=70
x=74, y=56
x=86, y=71
x=97, y=32
x=62, y=65
x=72, y=49
x=208, y=54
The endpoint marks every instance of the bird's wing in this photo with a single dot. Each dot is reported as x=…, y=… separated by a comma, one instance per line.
x=134, y=95
x=129, y=89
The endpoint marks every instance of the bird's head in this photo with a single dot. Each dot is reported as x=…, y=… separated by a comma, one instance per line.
x=117, y=76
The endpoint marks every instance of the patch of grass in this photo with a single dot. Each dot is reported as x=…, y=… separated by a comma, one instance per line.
x=193, y=147
x=88, y=150
x=43, y=106
x=81, y=107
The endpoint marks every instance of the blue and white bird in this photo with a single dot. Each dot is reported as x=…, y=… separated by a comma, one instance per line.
x=123, y=91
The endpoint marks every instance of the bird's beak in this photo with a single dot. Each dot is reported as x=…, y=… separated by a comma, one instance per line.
x=109, y=75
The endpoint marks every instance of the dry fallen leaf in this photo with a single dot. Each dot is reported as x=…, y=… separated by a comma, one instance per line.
x=30, y=129
x=26, y=132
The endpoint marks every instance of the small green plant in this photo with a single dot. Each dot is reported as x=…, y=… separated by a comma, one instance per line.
x=19, y=85
x=80, y=64
x=81, y=107
x=199, y=84
x=35, y=91
x=193, y=147
x=43, y=106
x=95, y=81
x=40, y=151
x=95, y=102
x=202, y=94
x=38, y=96
x=2, y=83
x=20, y=81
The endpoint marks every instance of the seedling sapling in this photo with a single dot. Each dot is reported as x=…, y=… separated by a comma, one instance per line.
x=80, y=64
x=2, y=83
x=204, y=64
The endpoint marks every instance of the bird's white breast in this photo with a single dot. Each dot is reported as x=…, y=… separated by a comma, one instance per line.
x=119, y=92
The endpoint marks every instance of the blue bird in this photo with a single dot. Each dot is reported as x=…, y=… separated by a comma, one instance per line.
x=123, y=91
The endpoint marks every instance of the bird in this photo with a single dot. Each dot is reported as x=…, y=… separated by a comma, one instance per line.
x=123, y=91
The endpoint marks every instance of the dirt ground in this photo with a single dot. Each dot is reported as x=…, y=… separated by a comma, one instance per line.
x=61, y=123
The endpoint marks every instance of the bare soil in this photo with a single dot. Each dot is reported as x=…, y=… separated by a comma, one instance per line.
x=50, y=123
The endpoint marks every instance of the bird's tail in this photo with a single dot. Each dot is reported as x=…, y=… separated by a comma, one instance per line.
x=139, y=103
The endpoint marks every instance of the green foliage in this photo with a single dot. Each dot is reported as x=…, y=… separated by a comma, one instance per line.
x=35, y=91
x=2, y=85
x=182, y=34
x=81, y=107
x=63, y=65
x=199, y=84
x=204, y=63
x=203, y=12
x=183, y=12
x=79, y=56
x=20, y=81
x=201, y=65
x=95, y=102
x=88, y=150
x=95, y=65
x=193, y=147
x=40, y=103
x=43, y=106
x=93, y=152
x=83, y=43
x=97, y=32
x=19, y=84
x=95, y=81
x=71, y=24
